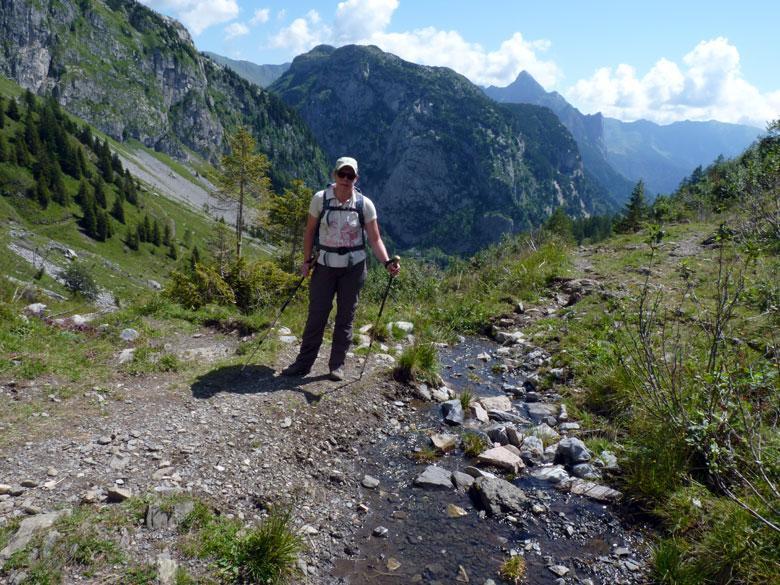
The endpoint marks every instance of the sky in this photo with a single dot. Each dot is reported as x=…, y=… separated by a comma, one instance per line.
x=659, y=60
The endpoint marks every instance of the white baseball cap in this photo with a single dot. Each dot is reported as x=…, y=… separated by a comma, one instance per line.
x=346, y=161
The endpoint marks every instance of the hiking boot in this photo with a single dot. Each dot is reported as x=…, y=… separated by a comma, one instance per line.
x=336, y=375
x=295, y=370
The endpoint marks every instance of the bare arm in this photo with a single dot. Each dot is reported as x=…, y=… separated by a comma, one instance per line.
x=378, y=246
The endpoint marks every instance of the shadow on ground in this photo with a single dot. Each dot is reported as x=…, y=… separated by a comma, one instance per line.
x=252, y=380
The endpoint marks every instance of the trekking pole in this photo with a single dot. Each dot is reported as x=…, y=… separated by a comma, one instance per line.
x=396, y=260
x=270, y=328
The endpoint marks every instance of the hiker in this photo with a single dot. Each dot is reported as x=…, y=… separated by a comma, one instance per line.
x=340, y=221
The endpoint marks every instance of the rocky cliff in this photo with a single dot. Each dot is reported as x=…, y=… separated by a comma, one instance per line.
x=588, y=130
x=446, y=165
x=136, y=74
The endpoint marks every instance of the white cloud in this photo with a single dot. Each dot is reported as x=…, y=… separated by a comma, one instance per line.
x=262, y=15
x=302, y=34
x=708, y=85
x=365, y=21
x=197, y=15
x=235, y=30
x=361, y=19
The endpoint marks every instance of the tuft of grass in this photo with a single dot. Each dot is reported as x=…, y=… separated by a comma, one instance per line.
x=465, y=399
x=263, y=554
x=425, y=455
x=473, y=444
x=418, y=362
x=513, y=570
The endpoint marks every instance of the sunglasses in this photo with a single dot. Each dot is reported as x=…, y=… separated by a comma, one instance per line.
x=346, y=175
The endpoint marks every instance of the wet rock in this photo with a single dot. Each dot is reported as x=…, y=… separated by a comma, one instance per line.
x=539, y=411
x=422, y=392
x=508, y=337
x=558, y=570
x=452, y=412
x=484, y=356
x=515, y=437
x=572, y=451
x=476, y=472
x=502, y=457
x=444, y=441
x=501, y=416
x=598, y=492
x=434, y=477
x=532, y=449
x=585, y=471
x=380, y=532
x=462, y=481
x=497, y=434
x=497, y=495
x=369, y=482
x=498, y=403
x=608, y=461
x=476, y=411
x=569, y=426
x=546, y=433
x=555, y=474
x=454, y=511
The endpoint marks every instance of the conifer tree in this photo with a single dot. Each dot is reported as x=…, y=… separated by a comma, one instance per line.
x=102, y=226
x=287, y=215
x=89, y=219
x=636, y=210
x=172, y=253
x=85, y=137
x=194, y=257
x=31, y=137
x=100, y=192
x=42, y=192
x=104, y=161
x=83, y=194
x=166, y=239
x=4, y=154
x=22, y=154
x=83, y=167
x=118, y=210
x=58, y=192
x=13, y=110
x=29, y=100
x=147, y=229
x=116, y=164
x=244, y=175
x=2, y=112
x=156, y=236
x=131, y=239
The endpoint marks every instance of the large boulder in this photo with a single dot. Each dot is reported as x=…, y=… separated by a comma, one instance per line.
x=572, y=451
x=497, y=495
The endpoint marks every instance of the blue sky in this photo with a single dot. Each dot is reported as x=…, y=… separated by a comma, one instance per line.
x=663, y=61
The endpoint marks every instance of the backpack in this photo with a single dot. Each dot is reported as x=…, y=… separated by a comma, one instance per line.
x=328, y=209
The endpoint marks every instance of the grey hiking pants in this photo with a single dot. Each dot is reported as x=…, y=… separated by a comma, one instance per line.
x=327, y=282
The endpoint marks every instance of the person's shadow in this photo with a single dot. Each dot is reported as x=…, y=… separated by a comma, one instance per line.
x=251, y=380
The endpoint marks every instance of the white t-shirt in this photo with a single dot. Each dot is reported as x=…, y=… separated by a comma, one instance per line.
x=339, y=229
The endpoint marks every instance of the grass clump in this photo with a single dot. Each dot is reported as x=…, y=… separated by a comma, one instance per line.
x=465, y=399
x=263, y=554
x=425, y=455
x=473, y=444
x=513, y=570
x=419, y=362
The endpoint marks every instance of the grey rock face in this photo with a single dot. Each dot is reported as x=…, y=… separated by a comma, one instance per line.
x=572, y=451
x=434, y=477
x=453, y=412
x=497, y=495
x=138, y=75
x=27, y=529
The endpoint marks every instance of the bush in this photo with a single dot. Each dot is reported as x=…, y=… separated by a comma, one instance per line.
x=78, y=279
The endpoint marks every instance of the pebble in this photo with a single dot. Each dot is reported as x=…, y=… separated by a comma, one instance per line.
x=370, y=482
x=380, y=532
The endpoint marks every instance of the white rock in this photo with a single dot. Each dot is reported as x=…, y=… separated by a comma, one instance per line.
x=126, y=356
x=500, y=403
x=502, y=457
x=404, y=326
x=444, y=441
x=35, y=309
x=129, y=334
x=478, y=412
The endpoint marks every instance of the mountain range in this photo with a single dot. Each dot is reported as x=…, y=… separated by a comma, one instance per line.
x=621, y=153
x=136, y=75
x=447, y=166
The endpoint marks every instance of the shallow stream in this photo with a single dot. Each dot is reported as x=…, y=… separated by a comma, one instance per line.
x=422, y=544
